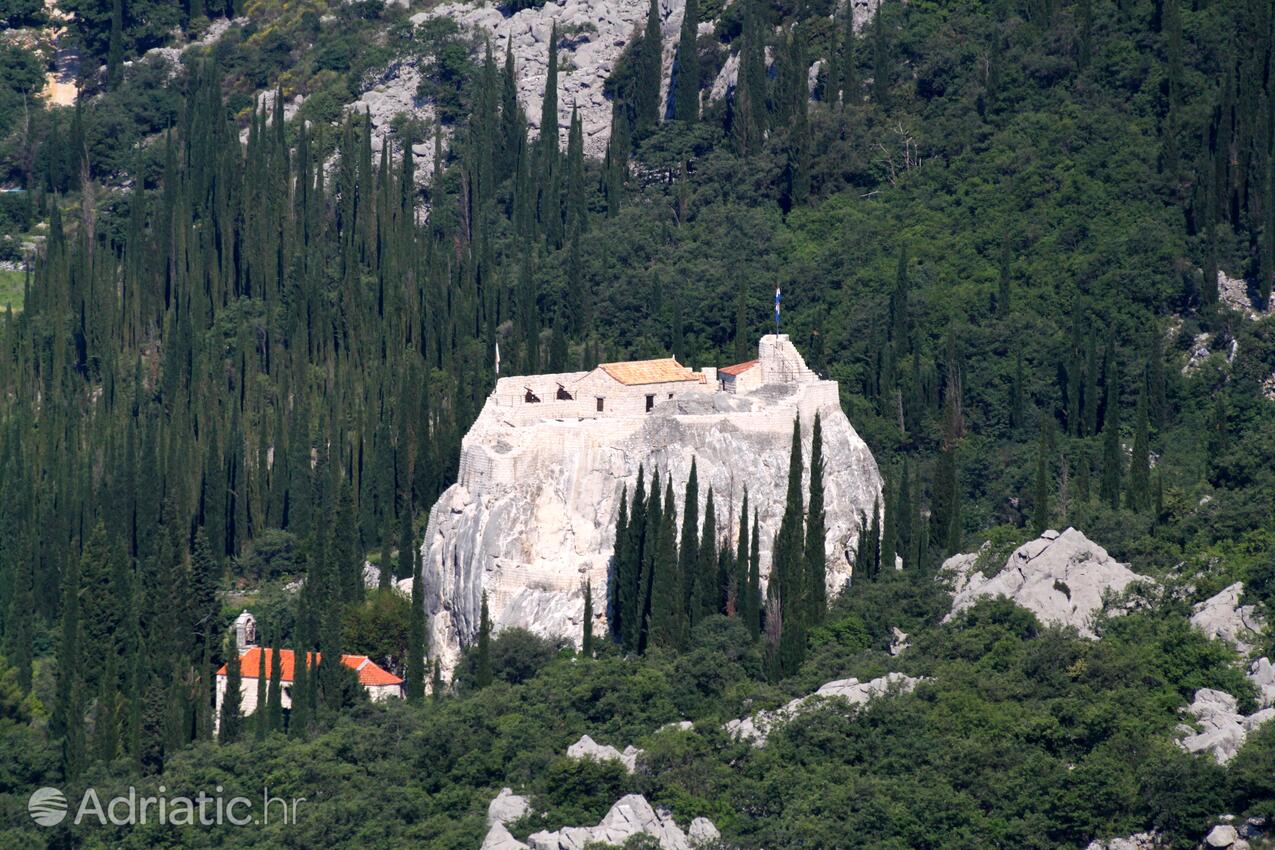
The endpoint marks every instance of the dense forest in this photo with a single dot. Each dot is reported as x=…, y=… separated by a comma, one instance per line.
x=1033, y=240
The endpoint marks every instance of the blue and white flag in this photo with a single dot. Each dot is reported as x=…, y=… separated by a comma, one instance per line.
x=778, y=298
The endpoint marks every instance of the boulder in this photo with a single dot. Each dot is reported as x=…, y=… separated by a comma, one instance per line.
x=506, y=807
x=1222, y=616
x=1222, y=835
x=757, y=728
x=1137, y=841
x=498, y=838
x=587, y=748
x=631, y=815
x=898, y=640
x=532, y=514
x=1222, y=727
x=1262, y=674
x=1061, y=578
x=702, y=831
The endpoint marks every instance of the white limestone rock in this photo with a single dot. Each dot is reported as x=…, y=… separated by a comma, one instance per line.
x=587, y=748
x=757, y=728
x=498, y=838
x=1262, y=674
x=1061, y=578
x=702, y=831
x=1222, y=835
x=1222, y=727
x=1137, y=841
x=898, y=641
x=506, y=807
x=631, y=815
x=1222, y=616
x=532, y=514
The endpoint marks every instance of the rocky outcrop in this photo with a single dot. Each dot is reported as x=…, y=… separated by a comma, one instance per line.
x=587, y=748
x=499, y=838
x=1138, y=841
x=532, y=514
x=631, y=815
x=1262, y=674
x=757, y=728
x=1061, y=578
x=592, y=36
x=1222, y=729
x=507, y=807
x=1222, y=616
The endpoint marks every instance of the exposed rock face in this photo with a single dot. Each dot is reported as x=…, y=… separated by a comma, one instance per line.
x=1223, y=728
x=498, y=838
x=587, y=748
x=1061, y=578
x=507, y=806
x=1222, y=616
x=1222, y=835
x=630, y=816
x=532, y=515
x=1262, y=674
x=592, y=36
x=1139, y=841
x=757, y=728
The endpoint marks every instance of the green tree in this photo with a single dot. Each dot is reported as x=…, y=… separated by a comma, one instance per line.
x=415, y=672
x=482, y=657
x=816, y=530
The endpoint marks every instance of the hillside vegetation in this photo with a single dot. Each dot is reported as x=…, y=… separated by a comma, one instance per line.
x=251, y=347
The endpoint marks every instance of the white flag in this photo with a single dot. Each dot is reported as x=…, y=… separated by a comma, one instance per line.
x=497, y=359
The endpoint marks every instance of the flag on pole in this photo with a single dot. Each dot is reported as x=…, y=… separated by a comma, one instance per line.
x=778, y=298
x=497, y=360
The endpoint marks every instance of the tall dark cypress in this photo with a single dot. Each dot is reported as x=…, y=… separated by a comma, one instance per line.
x=753, y=587
x=1041, y=486
x=709, y=589
x=1112, y=455
x=586, y=638
x=652, y=527
x=787, y=566
x=685, y=82
x=647, y=72
x=619, y=583
x=816, y=565
x=230, y=722
x=882, y=62
x=482, y=656
x=687, y=550
x=1138, y=496
x=415, y=674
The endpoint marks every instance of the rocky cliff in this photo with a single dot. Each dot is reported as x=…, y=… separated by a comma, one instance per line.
x=532, y=515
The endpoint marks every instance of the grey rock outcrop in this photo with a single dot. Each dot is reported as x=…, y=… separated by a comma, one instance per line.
x=499, y=838
x=631, y=815
x=1061, y=578
x=1138, y=841
x=587, y=748
x=532, y=514
x=1262, y=674
x=757, y=728
x=507, y=806
x=1222, y=616
x=1222, y=727
x=1222, y=835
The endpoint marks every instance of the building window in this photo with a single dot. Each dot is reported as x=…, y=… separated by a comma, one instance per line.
x=601, y=401
x=563, y=395
x=530, y=397
x=670, y=395
x=650, y=402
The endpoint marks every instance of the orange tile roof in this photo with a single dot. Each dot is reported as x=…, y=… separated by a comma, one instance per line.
x=738, y=368
x=370, y=673
x=662, y=371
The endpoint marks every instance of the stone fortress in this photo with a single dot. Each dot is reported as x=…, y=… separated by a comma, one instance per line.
x=532, y=515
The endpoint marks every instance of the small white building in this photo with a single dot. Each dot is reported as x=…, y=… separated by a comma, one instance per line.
x=379, y=683
x=740, y=378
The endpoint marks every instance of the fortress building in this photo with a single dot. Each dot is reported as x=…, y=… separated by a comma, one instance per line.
x=531, y=517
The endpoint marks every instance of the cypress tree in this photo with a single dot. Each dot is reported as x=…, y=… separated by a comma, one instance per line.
x=685, y=83
x=232, y=703
x=651, y=529
x=106, y=719
x=647, y=72
x=874, y=540
x=688, y=548
x=904, y=518
x=261, y=722
x=632, y=581
x=415, y=673
x=1138, y=497
x=713, y=583
x=619, y=583
x=1112, y=455
x=882, y=69
x=816, y=530
x=586, y=639
x=274, y=696
x=302, y=716
x=754, y=579
x=741, y=321
x=1040, y=491
x=482, y=657
x=436, y=682
x=1003, y=295
x=787, y=567
x=890, y=523
x=19, y=625
x=115, y=45
x=737, y=596
x=669, y=624
x=847, y=83
x=67, y=721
